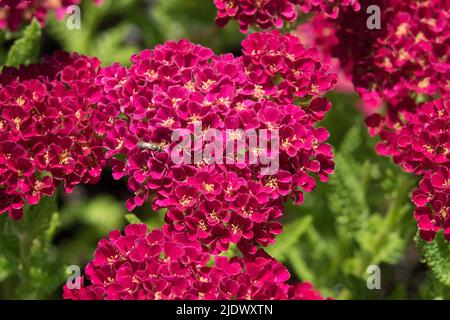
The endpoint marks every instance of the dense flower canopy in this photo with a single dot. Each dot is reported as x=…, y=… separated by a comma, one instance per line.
x=423, y=141
x=276, y=84
x=395, y=69
x=166, y=265
x=46, y=137
x=409, y=55
x=424, y=146
x=14, y=12
x=165, y=125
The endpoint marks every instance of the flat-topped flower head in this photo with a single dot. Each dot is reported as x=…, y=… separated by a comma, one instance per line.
x=423, y=141
x=401, y=72
x=271, y=95
x=168, y=266
x=46, y=134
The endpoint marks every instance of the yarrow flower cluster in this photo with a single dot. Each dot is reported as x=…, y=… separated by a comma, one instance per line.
x=46, y=136
x=409, y=55
x=166, y=265
x=276, y=84
x=423, y=140
x=422, y=146
x=432, y=200
x=14, y=12
x=394, y=68
x=267, y=14
x=63, y=120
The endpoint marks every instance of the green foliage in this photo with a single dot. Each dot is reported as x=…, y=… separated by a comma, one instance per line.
x=289, y=238
x=175, y=20
x=435, y=289
x=437, y=256
x=348, y=200
x=132, y=219
x=104, y=213
x=26, y=251
x=96, y=37
x=26, y=49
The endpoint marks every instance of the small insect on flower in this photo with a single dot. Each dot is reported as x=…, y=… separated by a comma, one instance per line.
x=224, y=97
x=149, y=146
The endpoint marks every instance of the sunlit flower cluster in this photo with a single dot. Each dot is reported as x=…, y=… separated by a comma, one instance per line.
x=64, y=120
x=46, y=137
x=276, y=84
x=166, y=265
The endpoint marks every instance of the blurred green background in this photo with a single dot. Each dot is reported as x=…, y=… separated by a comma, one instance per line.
x=362, y=217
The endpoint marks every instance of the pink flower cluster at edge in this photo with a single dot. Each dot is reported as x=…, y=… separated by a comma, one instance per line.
x=399, y=71
x=423, y=145
x=13, y=13
x=46, y=134
x=167, y=265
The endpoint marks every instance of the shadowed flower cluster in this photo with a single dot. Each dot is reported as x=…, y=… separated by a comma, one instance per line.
x=432, y=199
x=276, y=84
x=423, y=146
x=267, y=14
x=406, y=58
x=15, y=12
x=423, y=141
x=166, y=265
x=46, y=137
x=395, y=69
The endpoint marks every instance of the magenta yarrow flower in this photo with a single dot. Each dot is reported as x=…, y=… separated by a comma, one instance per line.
x=276, y=84
x=13, y=13
x=421, y=145
x=167, y=265
x=267, y=14
x=432, y=199
x=422, y=141
x=46, y=136
x=395, y=69
x=408, y=58
x=318, y=32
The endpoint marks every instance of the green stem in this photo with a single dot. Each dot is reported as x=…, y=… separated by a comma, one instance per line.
x=26, y=290
x=395, y=213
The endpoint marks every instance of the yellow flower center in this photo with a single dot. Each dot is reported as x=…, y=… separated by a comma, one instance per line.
x=208, y=187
